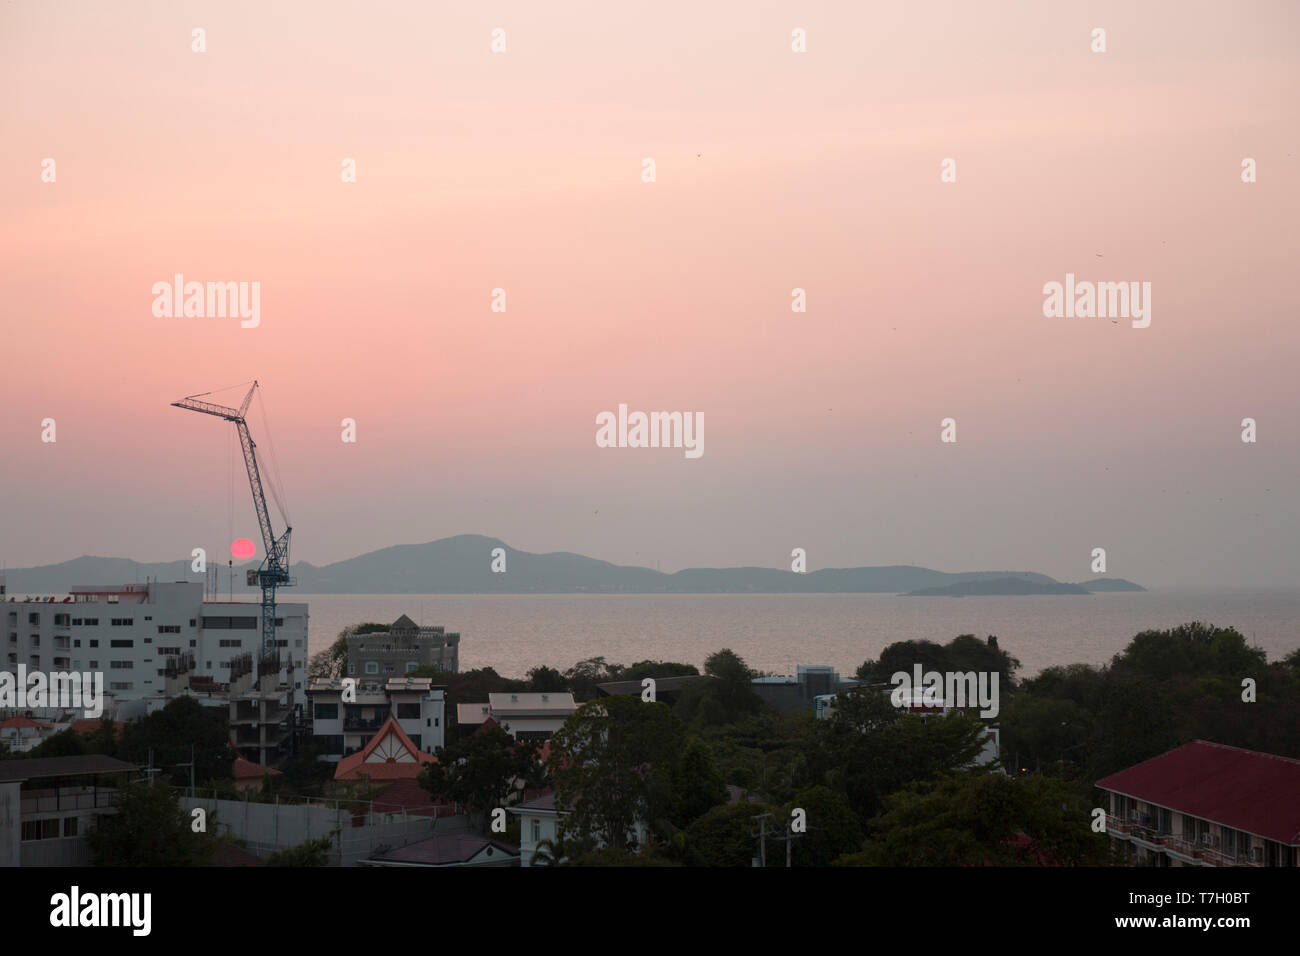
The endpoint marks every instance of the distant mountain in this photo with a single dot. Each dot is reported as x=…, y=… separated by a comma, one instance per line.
x=1013, y=585
x=1110, y=584
x=462, y=565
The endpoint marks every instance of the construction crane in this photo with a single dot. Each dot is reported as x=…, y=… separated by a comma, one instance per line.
x=274, y=572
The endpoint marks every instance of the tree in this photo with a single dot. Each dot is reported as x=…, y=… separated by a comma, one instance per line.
x=643, y=669
x=697, y=784
x=312, y=852
x=66, y=743
x=963, y=653
x=543, y=679
x=985, y=820
x=171, y=732
x=868, y=749
x=583, y=677
x=726, y=835
x=483, y=770
x=833, y=829
x=727, y=698
x=150, y=829
x=612, y=763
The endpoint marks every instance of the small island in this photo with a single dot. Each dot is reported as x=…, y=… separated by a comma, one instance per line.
x=1022, y=586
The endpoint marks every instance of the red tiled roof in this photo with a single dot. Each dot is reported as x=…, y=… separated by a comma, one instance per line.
x=23, y=722
x=486, y=725
x=87, y=726
x=408, y=795
x=390, y=755
x=1243, y=789
x=247, y=770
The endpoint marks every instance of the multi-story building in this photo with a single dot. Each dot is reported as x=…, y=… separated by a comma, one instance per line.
x=130, y=633
x=341, y=727
x=401, y=649
x=1206, y=804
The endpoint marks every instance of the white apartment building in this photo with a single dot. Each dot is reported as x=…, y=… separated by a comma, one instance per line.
x=342, y=727
x=129, y=633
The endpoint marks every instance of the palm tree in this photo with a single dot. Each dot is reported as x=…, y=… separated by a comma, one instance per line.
x=549, y=852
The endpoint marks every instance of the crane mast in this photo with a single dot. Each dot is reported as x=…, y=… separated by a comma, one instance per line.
x=274, y=572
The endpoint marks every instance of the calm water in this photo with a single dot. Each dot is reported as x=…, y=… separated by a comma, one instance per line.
x=774, y=632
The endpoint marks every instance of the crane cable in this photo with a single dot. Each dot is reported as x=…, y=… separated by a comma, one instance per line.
x=277, y=490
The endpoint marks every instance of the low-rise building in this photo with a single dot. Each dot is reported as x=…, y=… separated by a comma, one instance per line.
x=531, y=716
x=449, y=849
x=1206, y=804
x=49, y=804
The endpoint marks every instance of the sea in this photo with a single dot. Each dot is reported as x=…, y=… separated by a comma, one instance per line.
x=776, y=632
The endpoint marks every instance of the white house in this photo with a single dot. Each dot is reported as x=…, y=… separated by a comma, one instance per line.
x=531, y=716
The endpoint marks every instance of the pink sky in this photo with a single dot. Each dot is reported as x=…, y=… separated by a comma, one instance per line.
x=775, y=170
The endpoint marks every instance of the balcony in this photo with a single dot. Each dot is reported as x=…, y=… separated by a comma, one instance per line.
x=67, y=798
x=1207, y=854
x=358, y=725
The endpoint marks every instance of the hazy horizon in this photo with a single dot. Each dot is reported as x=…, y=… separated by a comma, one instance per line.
x=775, y=170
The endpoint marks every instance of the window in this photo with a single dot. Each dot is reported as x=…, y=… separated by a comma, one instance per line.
x=169, y=650
x=411, y=665
x=94, y=643
x=326, y=712
x=231, y=623
x=388, y=668
x=537, y=831
x=34, y=617
x=69, y=826
x=192, y=622
x=148, y=640
x=62, y=620
x=121, y=643
x=122, y=665
x=232, y=643
x=123, y=622
x=121, y=685
x=76, y=622
x=76, y=642
x=194, y=643
x=36, y=640
x=40, y=829
x=92, y=622
x=148, y=618
x=408, y=711
x=94, y=664
x=372, y=667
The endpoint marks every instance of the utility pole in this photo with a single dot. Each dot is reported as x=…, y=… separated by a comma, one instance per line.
x=762, y=838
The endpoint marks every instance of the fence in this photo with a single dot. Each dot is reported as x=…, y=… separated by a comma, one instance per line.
x=356, y=829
